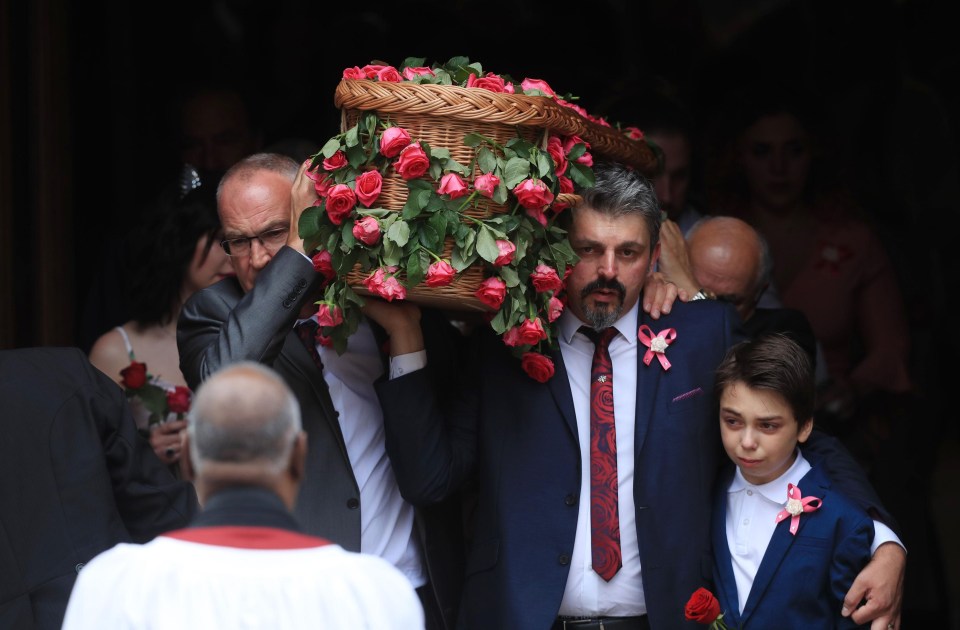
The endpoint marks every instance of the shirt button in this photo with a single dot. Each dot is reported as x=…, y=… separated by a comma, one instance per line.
x=749, y=493
x=564, y=559
x=746, y=521
x=353, y=503
x=570, y=499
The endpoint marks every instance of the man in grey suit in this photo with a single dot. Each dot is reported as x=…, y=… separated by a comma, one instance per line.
x=349, y=495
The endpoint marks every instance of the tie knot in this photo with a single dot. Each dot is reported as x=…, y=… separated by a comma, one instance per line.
x=600, y=338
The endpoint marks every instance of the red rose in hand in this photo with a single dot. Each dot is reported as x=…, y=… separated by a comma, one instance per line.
x=134, y=375
x=439, y=274
x=393, y=140
x=340, y=202
x=367, y=231
x=179, y=400
x=369, y=185
x=702, y=607
x=413, y=162
x=539, y=367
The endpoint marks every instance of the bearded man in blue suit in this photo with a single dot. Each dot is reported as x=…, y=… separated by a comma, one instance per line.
x=528, y=443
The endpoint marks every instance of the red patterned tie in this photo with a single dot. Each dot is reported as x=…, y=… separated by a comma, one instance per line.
x=604, y=510
x=307, y=331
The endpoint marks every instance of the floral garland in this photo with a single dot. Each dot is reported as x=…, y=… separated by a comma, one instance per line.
x=430, y=240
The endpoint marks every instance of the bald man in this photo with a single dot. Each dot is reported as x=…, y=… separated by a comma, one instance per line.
x=726, y=259
x=243, y=562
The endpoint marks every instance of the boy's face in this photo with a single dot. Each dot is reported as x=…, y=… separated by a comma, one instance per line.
x=759, y=432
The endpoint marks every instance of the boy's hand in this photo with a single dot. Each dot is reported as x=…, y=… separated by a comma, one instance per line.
x=881, y=584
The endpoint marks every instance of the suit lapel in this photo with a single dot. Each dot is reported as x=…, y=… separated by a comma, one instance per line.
x=559, y=386
x=727, y=583
x=648, y=380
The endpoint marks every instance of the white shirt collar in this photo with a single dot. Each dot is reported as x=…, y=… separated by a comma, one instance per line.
x=776, y=490
x=569, y=324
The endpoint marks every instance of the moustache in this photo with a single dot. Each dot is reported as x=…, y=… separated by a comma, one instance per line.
x=600, y=283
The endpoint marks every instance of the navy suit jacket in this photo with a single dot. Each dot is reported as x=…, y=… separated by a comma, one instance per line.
x=802, y=579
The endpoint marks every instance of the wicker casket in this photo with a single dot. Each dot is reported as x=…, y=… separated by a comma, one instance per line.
x=443, y=187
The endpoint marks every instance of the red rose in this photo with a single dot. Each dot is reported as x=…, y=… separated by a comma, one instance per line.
x=370, y=70
x=491, y=292
x=545, y=278
x=533, y=194
x=412, y=162
x=539, y=367
x=335, y=161
x=554, y=309
x=452, y=184
x=387, y=287
x=512, y=337
x=178, y=401
x=702, y=607
x=486, y=184
x=566, y=187
x=555, y=149
x=329, y=316
x=389, y=74
x=412, y=72
x=353, y=73
x=634, y=133
x=537, y=215
x=439, y=274
x=367, y=231
x=491, y=81
x=507, y=250
x=323, y=264
x=340, y=201
x=325, y=340
x=134, y=375
x=531, y=331
x=369, y=184
x=537, y=84
x=393, y=140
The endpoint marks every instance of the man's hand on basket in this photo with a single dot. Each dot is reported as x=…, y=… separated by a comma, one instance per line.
x=303, y=195
x=400, y=319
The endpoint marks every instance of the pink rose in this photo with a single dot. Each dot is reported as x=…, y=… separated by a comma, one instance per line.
x=586, y=159
x=507, y=250
x=537, y=84
x=491, y=292
x=554, y=309
x=178, y=401
x=336, y=161
x=545, y=278
x=486, y=184
x=555, y=149
x=393, y=140
x=323, y=264
x=533, y=194
x=412, y=72
x=370, y=70
x=369, y=184
x=412, y=162
x=389, y=74
x=490, y=81
x=511, y=338
x=367, y=231
x=354, y=73
x=329, y=316
x=539, y=367
x=386, y=286
x=321, y=181
x=452, y=184
x=532, y=332
x=538, y=216
x=634, y=133
x=340, y=202
x=439, y=274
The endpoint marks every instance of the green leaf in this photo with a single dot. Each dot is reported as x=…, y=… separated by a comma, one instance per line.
x=441, y=153
x=500, y=194
x=348, y=240
x=356, y=156
x=352, y=137
x=515, y=171
x=473, y=140
x=576, y=151
x=413, y=62
x=486, y=160
x=399, y=233
x=498, y=323
x=581, y=175
x=487, y=245
x=544, y=164
x=510, y=276
x=391, y=252
x=415, y=269
x=331, y=147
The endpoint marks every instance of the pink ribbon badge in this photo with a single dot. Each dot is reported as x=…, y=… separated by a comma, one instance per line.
x=797, y=505
x=656, y=344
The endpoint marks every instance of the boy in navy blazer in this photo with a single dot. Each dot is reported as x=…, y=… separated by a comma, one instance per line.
x=787, y=546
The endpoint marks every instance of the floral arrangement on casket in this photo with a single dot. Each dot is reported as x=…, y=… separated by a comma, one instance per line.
x=448, y=212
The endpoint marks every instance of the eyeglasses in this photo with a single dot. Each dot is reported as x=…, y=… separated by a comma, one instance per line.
x=271, y=240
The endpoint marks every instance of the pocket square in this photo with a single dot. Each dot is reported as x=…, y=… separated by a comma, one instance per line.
x=693, y=392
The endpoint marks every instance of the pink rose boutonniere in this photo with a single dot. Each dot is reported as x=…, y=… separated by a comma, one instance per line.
x=656, y=344
x=797, y=505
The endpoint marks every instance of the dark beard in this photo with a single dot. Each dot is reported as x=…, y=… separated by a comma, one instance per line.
x=606, y=316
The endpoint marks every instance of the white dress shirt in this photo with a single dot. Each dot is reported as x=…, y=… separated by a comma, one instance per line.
x=386, y=519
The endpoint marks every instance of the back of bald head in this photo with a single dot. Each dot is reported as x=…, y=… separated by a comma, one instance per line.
x=732, y=241
x=245, y=415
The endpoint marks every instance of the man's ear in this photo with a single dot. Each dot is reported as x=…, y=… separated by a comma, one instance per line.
x=654, y=256
x=298, y=457
x=186, y=465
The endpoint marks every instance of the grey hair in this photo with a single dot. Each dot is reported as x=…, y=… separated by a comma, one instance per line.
x=244, y=413
x=620, y=190
x=245, y=168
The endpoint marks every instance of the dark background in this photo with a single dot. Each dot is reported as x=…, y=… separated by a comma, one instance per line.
x=85, y=137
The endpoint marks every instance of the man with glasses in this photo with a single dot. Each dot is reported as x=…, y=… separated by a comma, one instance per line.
x=349, y=494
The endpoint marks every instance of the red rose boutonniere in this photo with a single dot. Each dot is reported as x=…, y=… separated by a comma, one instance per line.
x=656, y=344
x=704, y=608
